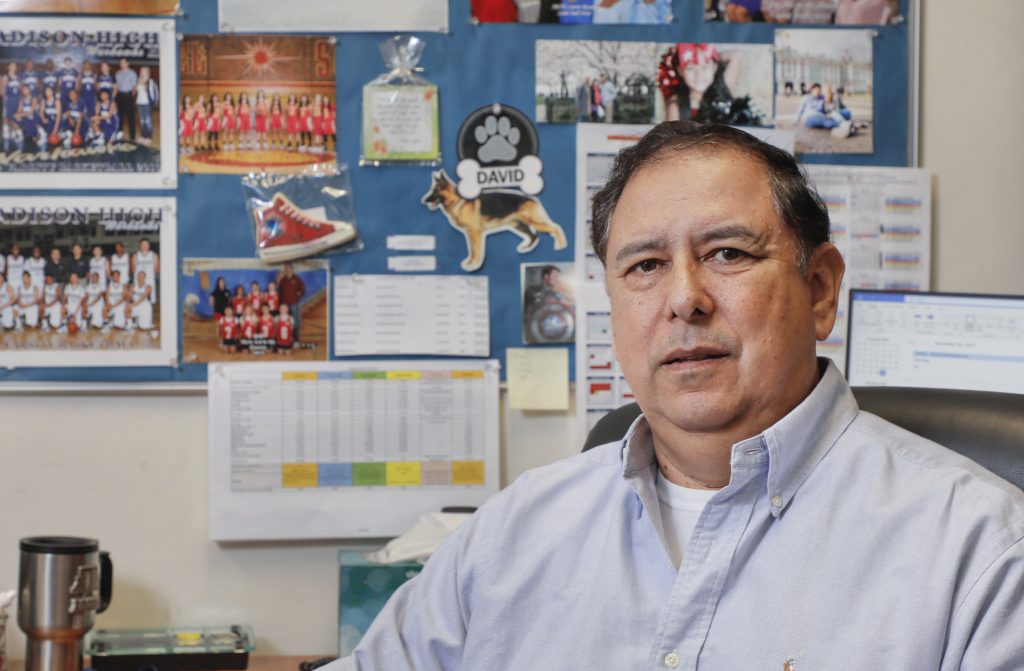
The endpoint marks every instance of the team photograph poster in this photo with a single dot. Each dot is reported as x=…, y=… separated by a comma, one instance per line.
x=572, y=12
x=256, y=103
x=87, y=103
x=648, y=82
x=812, y=12
x=88, y=281
x=153, y=7
x=243, y=310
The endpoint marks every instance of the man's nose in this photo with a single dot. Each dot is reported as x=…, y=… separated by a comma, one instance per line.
x=688, y=298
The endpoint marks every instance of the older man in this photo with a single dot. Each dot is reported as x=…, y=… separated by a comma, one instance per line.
x=126, y=79
x=753, y=517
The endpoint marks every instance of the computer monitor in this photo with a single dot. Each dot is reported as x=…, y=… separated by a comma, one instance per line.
x=939, y=340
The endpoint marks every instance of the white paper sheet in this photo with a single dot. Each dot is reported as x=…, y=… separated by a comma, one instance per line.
x=390, y=16
x=424, y=263
x=445, y=315
x=881, y=222
x=346, y=450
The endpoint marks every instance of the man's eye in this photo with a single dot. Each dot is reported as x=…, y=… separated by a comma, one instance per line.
x=728, y=255
x=646, y=266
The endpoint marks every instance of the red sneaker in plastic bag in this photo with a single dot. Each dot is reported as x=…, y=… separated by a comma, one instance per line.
x=285, y=232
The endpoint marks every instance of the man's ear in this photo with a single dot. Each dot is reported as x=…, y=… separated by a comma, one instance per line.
x=825, y=271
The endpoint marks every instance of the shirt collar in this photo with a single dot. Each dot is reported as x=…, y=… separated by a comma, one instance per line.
x=799, y=441
x=795, y=444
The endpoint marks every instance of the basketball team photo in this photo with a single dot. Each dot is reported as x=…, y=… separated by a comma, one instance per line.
x=256, y=103
x=82, y=283
x=242, y=310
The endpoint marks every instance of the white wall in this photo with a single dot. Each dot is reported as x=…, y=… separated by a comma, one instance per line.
x=972, y=140
x=131, y=470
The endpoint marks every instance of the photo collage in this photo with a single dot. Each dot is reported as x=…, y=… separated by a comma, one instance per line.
x=110, y=96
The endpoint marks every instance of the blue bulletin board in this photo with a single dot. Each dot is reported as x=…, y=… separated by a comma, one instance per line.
x=473, y=65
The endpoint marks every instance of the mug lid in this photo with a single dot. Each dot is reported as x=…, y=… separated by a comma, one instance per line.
x=59, y=545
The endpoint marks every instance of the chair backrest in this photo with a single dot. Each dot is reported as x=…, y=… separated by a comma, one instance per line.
x=984, y=426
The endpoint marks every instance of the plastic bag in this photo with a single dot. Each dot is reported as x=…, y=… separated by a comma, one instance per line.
x=296, y=216
x=400, y=110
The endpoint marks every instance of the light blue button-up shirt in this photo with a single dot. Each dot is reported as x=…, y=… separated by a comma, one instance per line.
x=840, y=542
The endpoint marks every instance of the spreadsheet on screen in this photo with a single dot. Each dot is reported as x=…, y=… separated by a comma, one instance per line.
x=938, y=340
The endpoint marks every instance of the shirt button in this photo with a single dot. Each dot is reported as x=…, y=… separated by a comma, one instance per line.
x=672, y=660
x=777, y=501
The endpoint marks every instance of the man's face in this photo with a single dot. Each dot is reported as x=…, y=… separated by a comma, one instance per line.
x=714, y=324
x=119, y=248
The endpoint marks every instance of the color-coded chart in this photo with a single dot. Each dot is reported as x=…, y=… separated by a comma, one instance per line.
x=290, y=437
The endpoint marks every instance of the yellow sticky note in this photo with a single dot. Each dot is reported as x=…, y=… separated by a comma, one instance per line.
x=538, y=378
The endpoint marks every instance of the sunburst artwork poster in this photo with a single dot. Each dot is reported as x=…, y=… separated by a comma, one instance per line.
x=256, y=103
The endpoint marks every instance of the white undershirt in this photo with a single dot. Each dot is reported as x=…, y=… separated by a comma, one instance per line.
x=680, y=509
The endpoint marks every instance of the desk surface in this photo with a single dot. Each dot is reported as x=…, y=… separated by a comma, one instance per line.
x=256, y=663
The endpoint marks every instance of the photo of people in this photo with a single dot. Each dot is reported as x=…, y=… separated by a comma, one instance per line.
x=584, y=80
x=572, y=12
x=242, y=310
x=84, y=103
x=824, y=89
x=648, y=82
x=721, y=83
x=153, y=7
x=256, y=103
x=549, y=303
x=81, y=281
x=807, y=12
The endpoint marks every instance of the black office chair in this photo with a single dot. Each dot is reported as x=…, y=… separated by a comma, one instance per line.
x=984, y=426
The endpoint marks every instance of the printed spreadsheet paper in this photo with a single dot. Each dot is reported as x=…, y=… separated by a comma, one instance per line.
x=390, y=315
x=354, y=449
x=881, y=221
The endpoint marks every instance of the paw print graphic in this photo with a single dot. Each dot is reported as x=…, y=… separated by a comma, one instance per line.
x=497, y=138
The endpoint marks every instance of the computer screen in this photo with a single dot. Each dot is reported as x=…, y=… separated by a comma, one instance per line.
x=940, y=340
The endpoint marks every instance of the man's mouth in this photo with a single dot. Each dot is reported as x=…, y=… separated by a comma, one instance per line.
x=696, y=355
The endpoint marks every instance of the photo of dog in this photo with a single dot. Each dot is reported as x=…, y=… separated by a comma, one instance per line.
x=492, y=211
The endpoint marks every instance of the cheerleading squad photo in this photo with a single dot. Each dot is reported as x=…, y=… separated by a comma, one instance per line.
x=80, y=295
x=256, y=121
x=255, y=103
x=236, y=309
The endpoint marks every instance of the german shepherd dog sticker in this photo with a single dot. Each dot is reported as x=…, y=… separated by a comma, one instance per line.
x=492, y=211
